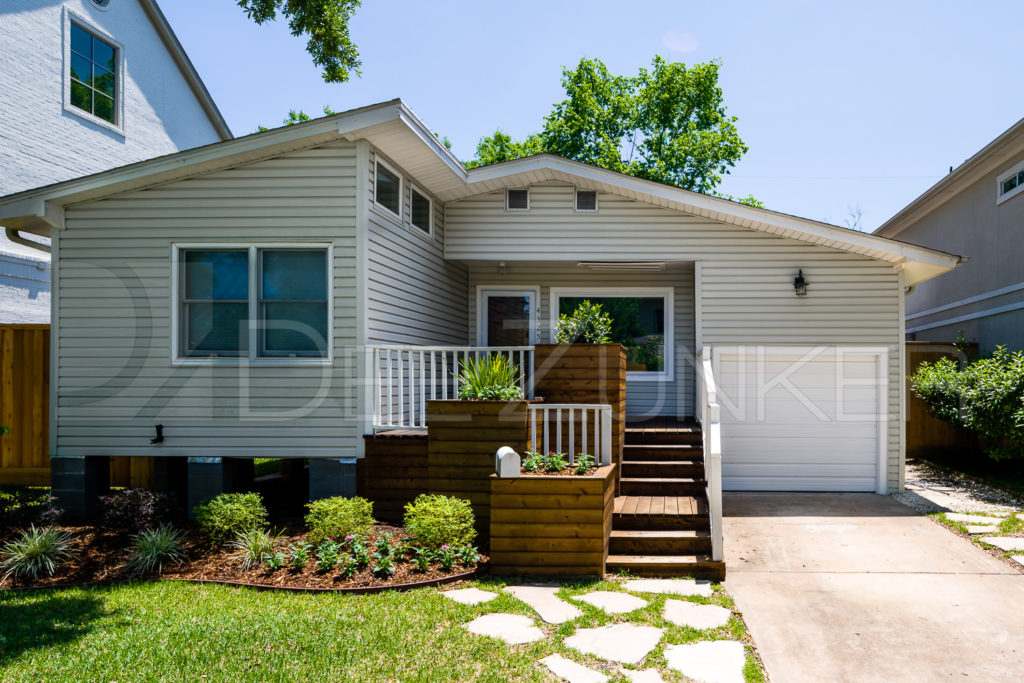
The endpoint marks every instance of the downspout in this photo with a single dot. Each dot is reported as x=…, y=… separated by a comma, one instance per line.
x=15, y=236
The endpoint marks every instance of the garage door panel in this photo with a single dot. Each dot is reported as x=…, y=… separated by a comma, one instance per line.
x=801, y=484
x=811, y=450
x=815, y=471
x=733, y=395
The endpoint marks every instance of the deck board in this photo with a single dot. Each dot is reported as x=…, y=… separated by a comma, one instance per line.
x=643, y=506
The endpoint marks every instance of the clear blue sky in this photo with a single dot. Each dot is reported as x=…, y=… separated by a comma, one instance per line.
x=842, y=104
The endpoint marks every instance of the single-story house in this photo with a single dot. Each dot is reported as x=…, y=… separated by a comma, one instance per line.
x=287, y=293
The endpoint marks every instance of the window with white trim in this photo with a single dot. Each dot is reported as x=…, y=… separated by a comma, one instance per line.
x=421, y=214
x=517, y=199
x=92, y=74
x=253, y=302
x=586, y=200
x=1010, y=183
x=388, y=189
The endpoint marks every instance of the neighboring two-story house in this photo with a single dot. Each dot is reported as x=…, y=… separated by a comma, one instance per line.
x=977, y=210
x=86, y=85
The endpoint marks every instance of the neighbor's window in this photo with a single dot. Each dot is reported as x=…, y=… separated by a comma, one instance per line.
x=389, y=189
x=517, y=200
x=421, y=211
x=638, y=322
x=93, y=80
x=586, y=200
x=1011, y=182
x=219, y=310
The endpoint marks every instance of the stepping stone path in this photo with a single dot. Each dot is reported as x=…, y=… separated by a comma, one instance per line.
x=470, y=596
x=717, y=661
x=543, y=600
x=669, y=586
x=514, y=629
x=625, y=643
x=972, y=519
x=683, y=613
x=571, y=671
x=1019, y=559
x=981, y=529
x=644, y=676
x=1006, y=543
x=612, y=602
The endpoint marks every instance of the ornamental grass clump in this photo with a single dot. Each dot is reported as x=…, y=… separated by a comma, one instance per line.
x=435, y=520
x=36, y=552
x=253, y=545
x=153, y=548
x=492, y=377
x=222, y=518
x=338, y=517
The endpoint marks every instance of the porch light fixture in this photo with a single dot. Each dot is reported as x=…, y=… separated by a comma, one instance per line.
x=501, y=268
x=800, y=284
x=623, y=265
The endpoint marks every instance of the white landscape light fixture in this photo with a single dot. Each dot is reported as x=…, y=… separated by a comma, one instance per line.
x=800, y=284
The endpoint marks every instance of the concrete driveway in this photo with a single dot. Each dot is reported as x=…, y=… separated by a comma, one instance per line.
x=857, y=587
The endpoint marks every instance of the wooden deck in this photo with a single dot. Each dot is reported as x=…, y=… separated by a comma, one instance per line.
x=646, y=506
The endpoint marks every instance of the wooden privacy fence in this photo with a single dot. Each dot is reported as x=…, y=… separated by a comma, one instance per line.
x=926, y=434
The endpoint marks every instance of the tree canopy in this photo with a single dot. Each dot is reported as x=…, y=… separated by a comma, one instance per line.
x=324, y=23
x=667, y=124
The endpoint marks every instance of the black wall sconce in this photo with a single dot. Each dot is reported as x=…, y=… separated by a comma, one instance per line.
x=159, y=435
x=800, y=284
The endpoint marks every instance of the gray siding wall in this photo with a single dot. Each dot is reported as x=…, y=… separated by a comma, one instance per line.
x=991, y=235
x=745, y=289
x=643, y=399
x=414, y=296
x=113, y=323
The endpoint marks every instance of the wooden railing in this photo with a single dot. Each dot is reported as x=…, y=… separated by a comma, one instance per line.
x=710, y=418
x=581, y=427
x=404, y=378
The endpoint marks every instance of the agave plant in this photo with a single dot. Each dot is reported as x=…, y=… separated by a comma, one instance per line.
x=154, y=547
x=36, y=552
x=491, y=377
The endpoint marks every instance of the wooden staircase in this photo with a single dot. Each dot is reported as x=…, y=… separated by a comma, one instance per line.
x=660, y=524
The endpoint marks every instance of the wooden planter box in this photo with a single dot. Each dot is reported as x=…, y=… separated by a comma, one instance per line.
x=585, y=373
x=462, y=438
x=546, y=525
x=392, y=473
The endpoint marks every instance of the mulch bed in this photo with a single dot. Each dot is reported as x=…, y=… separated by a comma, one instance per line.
x=103, y=555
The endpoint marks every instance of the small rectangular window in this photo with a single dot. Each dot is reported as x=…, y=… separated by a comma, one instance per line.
x=215, y=303
x=586, y=200
x=421, y=211
x=92, y=74
x=293, y=302
x=388, y=189
x=517, y=200
x=1010, y=183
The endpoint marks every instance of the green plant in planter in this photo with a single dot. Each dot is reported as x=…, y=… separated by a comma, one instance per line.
x=584, y=461
x=493, y=377
x=534, y=461
x=588, y=324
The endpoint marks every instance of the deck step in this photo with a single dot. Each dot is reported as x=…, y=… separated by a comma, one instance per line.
x=664, y=542
x=671, y=436
x=699, y=566
x=660, y=513
x=661, y=486
x=662, y=468
x=663, y=451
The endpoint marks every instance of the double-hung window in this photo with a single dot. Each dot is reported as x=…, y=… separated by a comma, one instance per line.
x=253, y=302
x=92, y=74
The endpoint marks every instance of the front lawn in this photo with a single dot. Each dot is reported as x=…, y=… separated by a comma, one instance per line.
x=168, y=630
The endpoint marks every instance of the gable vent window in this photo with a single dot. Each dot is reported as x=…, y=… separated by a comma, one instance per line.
x=420, y=211
x=388, y=189
x=586, y=200
x=517, y=200
x=1010, y=183
x=93, y=80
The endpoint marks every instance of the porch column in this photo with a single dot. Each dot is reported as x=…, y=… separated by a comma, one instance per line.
x=77, y=482
x=330, y=477
x=209, y=477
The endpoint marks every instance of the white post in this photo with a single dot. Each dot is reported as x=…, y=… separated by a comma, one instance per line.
x=606, y=435
x=572, y=439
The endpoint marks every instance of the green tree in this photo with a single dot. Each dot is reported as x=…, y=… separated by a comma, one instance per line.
x=324, y=23
x=667, y=124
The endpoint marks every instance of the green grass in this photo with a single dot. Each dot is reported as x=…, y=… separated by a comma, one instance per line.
x=265, y=466
x=165, y=630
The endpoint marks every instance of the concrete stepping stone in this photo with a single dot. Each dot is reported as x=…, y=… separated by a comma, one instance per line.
x=981, y=529
x=972, y=519
x=710, y=661
x=469, y=596
x=571, y=671
x=624, y=643
x=683, y=613
x=543, y=600
x=1006, y=543
x=514, y=629
x=1019, y=559
x=612, y=602
x=643, y=676
x=669, y=586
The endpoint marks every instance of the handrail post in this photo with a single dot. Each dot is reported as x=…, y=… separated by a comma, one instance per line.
x=606, y=435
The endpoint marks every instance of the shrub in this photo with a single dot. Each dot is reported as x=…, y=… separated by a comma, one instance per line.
x=588, y=324
x=435, y=520
x=35, y=552
x=153, y=547
x=22, y=504
x=493, y=377
x=338, y=517
x=136, y=509
x=223, y=517
x=985, y=397
x=253, y=545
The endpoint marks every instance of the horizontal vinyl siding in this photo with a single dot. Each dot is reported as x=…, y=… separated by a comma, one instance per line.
x=643, y=399
x=115, y=376
x=746, y=284
x=414, y=295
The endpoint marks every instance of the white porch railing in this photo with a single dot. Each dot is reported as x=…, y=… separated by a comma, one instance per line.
x=404, y=378
x=581, y=427
x=710, y=419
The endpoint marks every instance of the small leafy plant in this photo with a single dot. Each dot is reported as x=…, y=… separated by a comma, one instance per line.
x=556, y=462
x=447, y=557
x=493, y=377
x=422, y=559
x=584, y=461
x=434, y=520
x=299, y=555
x=588, y=324
x=468, y=555
x=253, y=545
x=36, y=552
x=349, y=567
x=534, y=461
x=338, y=517
x=274, y=560
x=223, y=517
x=327, y=555
x=359, y=549
x=153, y=548
x=136, y=509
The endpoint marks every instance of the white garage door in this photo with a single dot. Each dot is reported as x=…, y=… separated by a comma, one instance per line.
x=802, y=419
